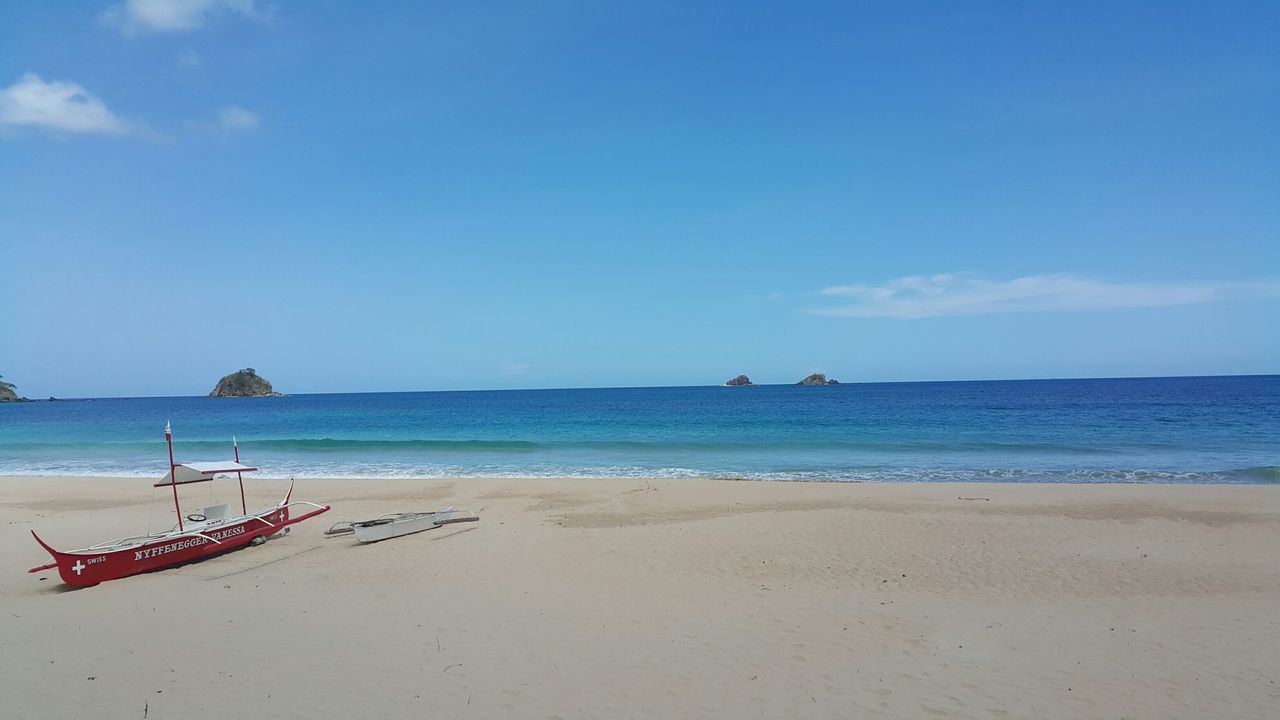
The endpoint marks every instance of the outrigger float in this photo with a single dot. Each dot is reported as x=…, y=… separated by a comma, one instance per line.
x=203, y=534
x=397, y=524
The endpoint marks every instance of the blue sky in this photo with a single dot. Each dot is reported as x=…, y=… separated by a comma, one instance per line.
x=418, y=196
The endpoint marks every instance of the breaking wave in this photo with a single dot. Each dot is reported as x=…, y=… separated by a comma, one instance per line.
x=358, y=470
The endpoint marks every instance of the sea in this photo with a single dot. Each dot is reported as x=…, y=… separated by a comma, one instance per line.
x=1141, y=430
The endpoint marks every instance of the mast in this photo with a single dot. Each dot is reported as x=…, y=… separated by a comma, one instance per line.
x=240, y=475
x=173, y=473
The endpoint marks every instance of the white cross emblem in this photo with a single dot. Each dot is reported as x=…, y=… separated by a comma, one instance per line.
x=78, y=567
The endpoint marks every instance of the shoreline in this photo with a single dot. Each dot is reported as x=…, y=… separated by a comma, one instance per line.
x=678, y=479
x=660, y=599
x=1263, y=476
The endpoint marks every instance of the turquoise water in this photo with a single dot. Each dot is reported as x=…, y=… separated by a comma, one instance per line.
x=1194, y=430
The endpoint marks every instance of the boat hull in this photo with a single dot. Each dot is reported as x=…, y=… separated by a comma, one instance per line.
x=83, y=568
x=371, y=532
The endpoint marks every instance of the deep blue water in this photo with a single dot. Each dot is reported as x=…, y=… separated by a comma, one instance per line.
x=1196, y=430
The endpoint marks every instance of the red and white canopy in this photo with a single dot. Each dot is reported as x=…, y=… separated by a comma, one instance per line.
x=201, y=472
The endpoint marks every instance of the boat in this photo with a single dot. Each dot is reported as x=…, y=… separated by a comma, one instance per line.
x=196, y=536
x=397, y=524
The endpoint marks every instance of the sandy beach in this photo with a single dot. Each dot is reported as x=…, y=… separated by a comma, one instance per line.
x=662, y=599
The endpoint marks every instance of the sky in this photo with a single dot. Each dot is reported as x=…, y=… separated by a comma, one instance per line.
x=387, y=196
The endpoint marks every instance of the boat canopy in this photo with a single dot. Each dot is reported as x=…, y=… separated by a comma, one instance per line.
x=201, y=472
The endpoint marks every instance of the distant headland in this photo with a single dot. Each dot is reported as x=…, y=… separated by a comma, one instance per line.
x=814, y=379
x=9, y=392
x=818, y=379
x=244, y=383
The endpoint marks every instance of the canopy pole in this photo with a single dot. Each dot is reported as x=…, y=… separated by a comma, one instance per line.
x=173, y=473
x=243, y=509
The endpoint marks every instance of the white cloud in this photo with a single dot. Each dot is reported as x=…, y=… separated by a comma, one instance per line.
x=136, y=17
x=237, y=118
x=57, y=105
x=957, y=294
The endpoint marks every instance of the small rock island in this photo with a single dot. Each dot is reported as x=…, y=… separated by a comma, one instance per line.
x=818, y=379
x=740, y=381
x=244, y=383
x=9, y=393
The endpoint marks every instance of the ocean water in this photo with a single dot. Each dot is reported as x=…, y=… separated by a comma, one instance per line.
x=1155, y=430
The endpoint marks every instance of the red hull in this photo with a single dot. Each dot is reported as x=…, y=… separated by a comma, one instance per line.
x=83, y=568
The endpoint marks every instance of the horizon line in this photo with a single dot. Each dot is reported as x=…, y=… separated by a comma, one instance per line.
x=661, y=387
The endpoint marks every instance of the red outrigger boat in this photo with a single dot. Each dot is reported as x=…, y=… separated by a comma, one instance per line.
x=204, y=534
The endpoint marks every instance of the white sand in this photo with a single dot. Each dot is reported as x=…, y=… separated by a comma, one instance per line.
x=666, y=599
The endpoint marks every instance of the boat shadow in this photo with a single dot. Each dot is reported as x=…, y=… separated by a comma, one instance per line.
x=60, y=587
x=455, y=533
x=261, y=565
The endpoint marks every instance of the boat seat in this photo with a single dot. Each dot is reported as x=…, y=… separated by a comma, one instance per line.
x=216, y=512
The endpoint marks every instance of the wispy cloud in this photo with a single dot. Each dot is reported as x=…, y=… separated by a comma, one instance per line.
x=234, y=117
x=510, y=368
x=138, y=17
x=959, y=294
x=57, y=105
x=189, y=58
